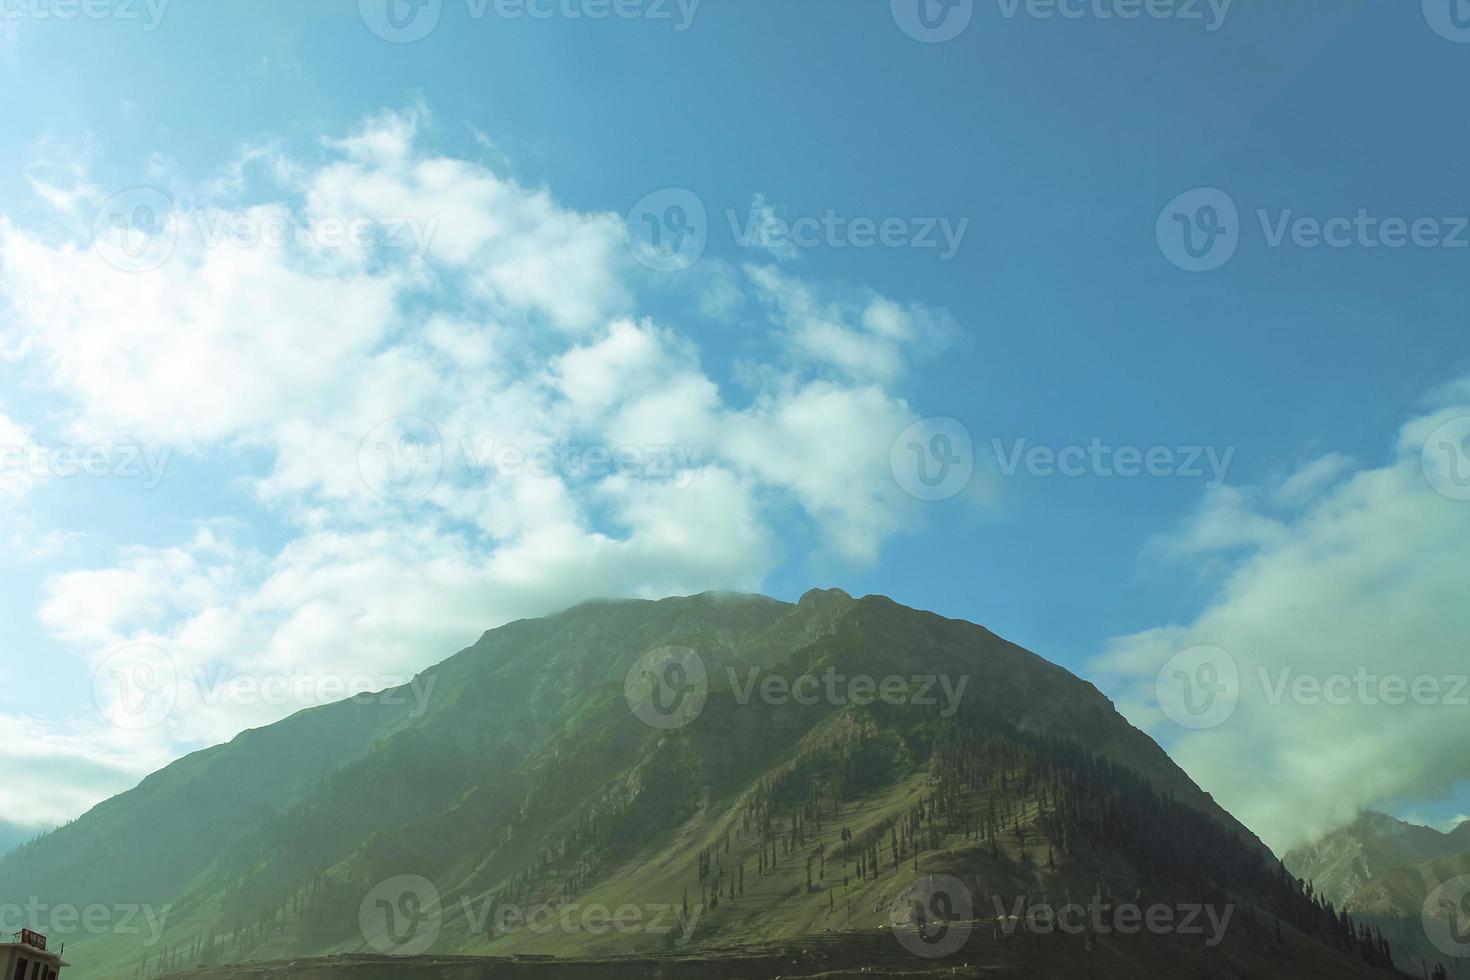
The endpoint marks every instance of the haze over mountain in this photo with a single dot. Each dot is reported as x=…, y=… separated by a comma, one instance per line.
x=13, y=835
x=1384, y=871
x=527, y=771
x=1344, y=861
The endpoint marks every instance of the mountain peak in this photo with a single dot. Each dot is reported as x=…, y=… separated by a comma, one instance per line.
x=1374, y=820
x=814, y=597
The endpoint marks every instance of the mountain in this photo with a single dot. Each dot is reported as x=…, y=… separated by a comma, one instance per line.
x=1384, y=872
x=744, y=772
x=13, y=835
x=1344, y=861
x=1404, y=890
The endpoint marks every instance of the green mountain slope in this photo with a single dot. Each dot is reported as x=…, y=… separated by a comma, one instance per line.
x=529, y=785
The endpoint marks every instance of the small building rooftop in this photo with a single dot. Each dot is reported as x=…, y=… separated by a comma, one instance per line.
x=30, y=947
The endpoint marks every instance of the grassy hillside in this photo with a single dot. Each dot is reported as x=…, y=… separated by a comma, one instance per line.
x=529, y=785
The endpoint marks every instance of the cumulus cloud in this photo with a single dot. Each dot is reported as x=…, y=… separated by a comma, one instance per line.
x=1345, y=588
x=858, y=336
x=439, y=380
x=17, y=478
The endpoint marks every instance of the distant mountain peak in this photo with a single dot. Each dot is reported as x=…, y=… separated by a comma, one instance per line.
x=815, y=597
x=1343, y=862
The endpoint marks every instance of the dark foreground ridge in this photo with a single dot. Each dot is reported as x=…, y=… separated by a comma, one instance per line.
x=865, y=955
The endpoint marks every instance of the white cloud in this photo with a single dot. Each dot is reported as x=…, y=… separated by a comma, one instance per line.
x=860, y=337
x=511, y=325
x=765, y=230
x=1313, y=478
x=1453, y=824
x=1332, y=573
x=17, y=478
x=53, y=776
x=219, y=342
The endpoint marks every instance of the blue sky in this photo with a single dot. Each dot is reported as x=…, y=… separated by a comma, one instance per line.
x=1059, y=320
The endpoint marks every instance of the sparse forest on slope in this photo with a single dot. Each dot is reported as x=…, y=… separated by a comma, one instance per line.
x=528, y=783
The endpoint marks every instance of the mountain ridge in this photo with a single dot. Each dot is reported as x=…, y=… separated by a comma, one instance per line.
x=1345, y=860
x=528, y=776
